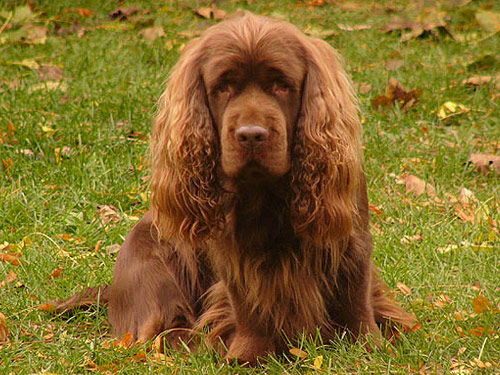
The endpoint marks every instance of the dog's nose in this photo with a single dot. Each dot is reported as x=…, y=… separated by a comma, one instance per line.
x=251, y=134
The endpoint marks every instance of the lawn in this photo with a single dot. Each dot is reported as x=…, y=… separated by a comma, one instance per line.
x=78, y=86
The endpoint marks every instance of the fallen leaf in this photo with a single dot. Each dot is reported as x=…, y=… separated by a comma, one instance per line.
x=476, y=81
x=12, y=258
x=404, y=289
x=318, y=361
x=375, y=209
x=320, y=33
x=396, y=93
x=47, y=307
x=485, y=163
x=210, y=13
x=365, y=88
x=122, y=14
x=56, y=273
x=126, y=341
x=108, y=214
x=409, y=239
x=4, y=331
x=152, y=33
x=298, y=353
x=481, y=304
x=11, y=276
x=418, y=186
x=48, y=86
x=113, y=249
x=489, y=21
x=450, y=109
x=354, y=28
x=50, y=72
x=441, y=301
x=394, y=64
x=28, y=63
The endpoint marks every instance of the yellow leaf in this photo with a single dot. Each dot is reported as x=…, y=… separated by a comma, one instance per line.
x=318, y=361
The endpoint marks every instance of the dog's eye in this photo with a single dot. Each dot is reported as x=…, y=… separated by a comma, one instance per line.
x=280, y=87
x=223, y=88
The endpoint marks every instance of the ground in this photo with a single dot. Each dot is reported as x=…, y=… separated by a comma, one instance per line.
x=78, y=86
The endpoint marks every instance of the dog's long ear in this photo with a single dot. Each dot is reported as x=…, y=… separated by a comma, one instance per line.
x=185, y=199
x=326, y=162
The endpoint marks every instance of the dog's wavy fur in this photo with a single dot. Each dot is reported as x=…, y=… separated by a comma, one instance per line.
x=253, y=262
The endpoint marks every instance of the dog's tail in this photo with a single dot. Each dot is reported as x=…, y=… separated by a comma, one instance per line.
x=389, y=315
x=83, y=300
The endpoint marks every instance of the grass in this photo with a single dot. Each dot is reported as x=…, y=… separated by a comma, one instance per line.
x=66, y=151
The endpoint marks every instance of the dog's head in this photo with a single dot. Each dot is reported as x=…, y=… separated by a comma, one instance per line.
x=254, y=99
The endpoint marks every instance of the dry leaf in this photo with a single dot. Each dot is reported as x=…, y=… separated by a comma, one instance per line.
x=122, y=14
x=113, y=249
x=484, y=163
x=396, y=93
x=126, y=341
x=365, y=88
x=353, y=28
x=152, y=33
x=11, y=276
x=318, y=361
x=394, y=64
x=489, y=21
x=4, y=331
x=450, y=109
x=441, y=301
x=409, y=239
x=209, y=13
x=481, y=304
x=47, y=307
x=418, y=186
x=56, y=273
x=12, y=258
x=298, y=353
x=48, y=86
x=50, y=72
x=476, y=81
x=404, y=289
x=108, y=214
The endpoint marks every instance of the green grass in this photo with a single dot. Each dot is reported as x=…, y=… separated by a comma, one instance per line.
x=113, y=78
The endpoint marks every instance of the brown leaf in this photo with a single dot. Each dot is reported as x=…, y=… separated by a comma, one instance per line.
x=126, y=341
x=11, y=276
x=481, y=304
x=404, y=289
x=418, y=186
x=4, y=331
x=12, y=258
x=108, y=214
x=394, y=64
x=476, y=81
x=354, y=28
x=47, y=307
x=50, y=72
x=441, y=301
x=298, y=353
x=56, y=273
x=365, y=88
x=209, y=13
x=485, y=163
x=397, y=23
x=122, y=14
x=152, y=33
x=396, y=93
x=375, y=209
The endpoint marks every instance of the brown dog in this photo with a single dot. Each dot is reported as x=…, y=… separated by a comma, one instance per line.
x=258, y=226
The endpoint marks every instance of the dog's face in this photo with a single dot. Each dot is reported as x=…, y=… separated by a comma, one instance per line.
x=254, y=96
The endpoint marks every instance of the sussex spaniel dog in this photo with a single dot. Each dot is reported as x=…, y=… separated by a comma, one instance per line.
x=258, y=228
